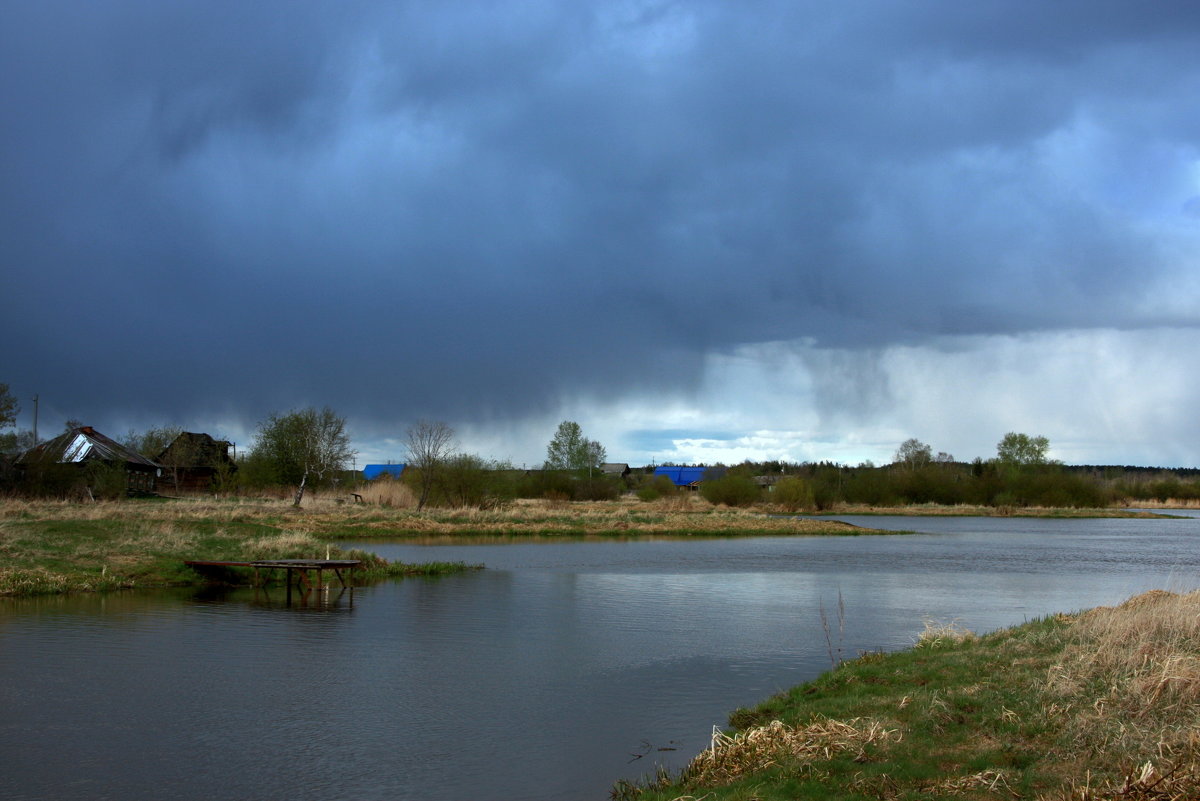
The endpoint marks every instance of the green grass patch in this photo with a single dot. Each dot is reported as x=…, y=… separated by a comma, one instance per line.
x=1094, y=706
x=99, y=547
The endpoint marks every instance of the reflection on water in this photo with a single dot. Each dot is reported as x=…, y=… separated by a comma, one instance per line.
x=558, y=670
x=324, y=599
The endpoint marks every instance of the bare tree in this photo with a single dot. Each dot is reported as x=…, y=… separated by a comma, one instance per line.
x=913, y=454
x=430, y=443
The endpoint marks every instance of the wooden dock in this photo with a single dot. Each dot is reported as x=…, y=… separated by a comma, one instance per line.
x=299, y=567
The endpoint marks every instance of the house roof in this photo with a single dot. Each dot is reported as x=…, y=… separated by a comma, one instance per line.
x=376, y=470
x=199, y=450
x=80, y=445
x=614, y=467
x=687, y=476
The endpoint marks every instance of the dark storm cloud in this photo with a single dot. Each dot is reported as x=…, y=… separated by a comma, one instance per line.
x=472, y=209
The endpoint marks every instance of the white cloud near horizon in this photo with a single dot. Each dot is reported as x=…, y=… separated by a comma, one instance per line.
x=1100, y=396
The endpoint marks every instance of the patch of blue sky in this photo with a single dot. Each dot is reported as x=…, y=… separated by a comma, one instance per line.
x=660, y=439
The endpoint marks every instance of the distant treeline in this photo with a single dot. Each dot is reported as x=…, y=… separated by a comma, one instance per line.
x=465, y=480
x=987, y=483
x=470, y=481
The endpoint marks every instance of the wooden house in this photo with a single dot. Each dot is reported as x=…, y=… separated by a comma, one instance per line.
x=85, y=445
x=196, y=461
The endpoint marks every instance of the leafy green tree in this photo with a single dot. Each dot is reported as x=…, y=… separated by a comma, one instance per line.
x=8, y=407
x=15, y=442
x=570, y=450
x=303, y=447
x=1022, y=450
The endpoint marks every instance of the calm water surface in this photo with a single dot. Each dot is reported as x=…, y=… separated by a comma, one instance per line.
x=561, y=668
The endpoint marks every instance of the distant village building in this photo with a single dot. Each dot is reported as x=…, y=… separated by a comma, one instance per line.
x=619, y=469
x=768, y=482
x=196, y=461
x=689, y=477
x=374, y=471
x=84, y=445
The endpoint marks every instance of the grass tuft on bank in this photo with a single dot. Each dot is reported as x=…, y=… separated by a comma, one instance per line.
x=1099, y=705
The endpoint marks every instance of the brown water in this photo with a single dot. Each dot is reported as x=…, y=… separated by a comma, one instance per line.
x=558, y=670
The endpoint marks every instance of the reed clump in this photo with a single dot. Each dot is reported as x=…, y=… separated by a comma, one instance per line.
x=391, y=494
x=938, y=633
x=730, y=757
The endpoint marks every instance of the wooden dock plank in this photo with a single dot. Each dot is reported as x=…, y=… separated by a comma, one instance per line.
x=299, y=566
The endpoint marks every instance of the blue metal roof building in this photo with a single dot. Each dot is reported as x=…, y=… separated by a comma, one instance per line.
x=372, y=471
x=689, y=476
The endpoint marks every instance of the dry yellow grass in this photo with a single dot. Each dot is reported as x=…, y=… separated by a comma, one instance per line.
x=684, y=515
x=1134, y=671
x=1127, y=688
x=1169, y=503
x=731, y=757
x=328, y=513
x=967, y=510
x=393, y=494
x=937, y=633
x=390, y=514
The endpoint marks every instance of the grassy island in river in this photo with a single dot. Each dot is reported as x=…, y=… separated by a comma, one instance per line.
x=1103, y=704
x=58, y=546
x=61, y=546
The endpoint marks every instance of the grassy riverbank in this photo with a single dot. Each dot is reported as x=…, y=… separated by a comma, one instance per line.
x=967, y=510
x=680, y=516
x=1099, y=705
x=56, y=547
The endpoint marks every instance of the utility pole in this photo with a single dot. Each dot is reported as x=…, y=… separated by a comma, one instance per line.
x=35, y=411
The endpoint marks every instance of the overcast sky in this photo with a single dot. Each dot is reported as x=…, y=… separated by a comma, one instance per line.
x=706, y=231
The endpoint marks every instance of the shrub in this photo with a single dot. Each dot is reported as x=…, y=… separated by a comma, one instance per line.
x=595, y=489
x=793, y=494
x=732, y=490
x=544, y=484
x=655, y=487
x=648, y=493
x=106, y=481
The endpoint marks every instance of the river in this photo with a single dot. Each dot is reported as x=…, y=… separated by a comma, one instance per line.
x=564, y=666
